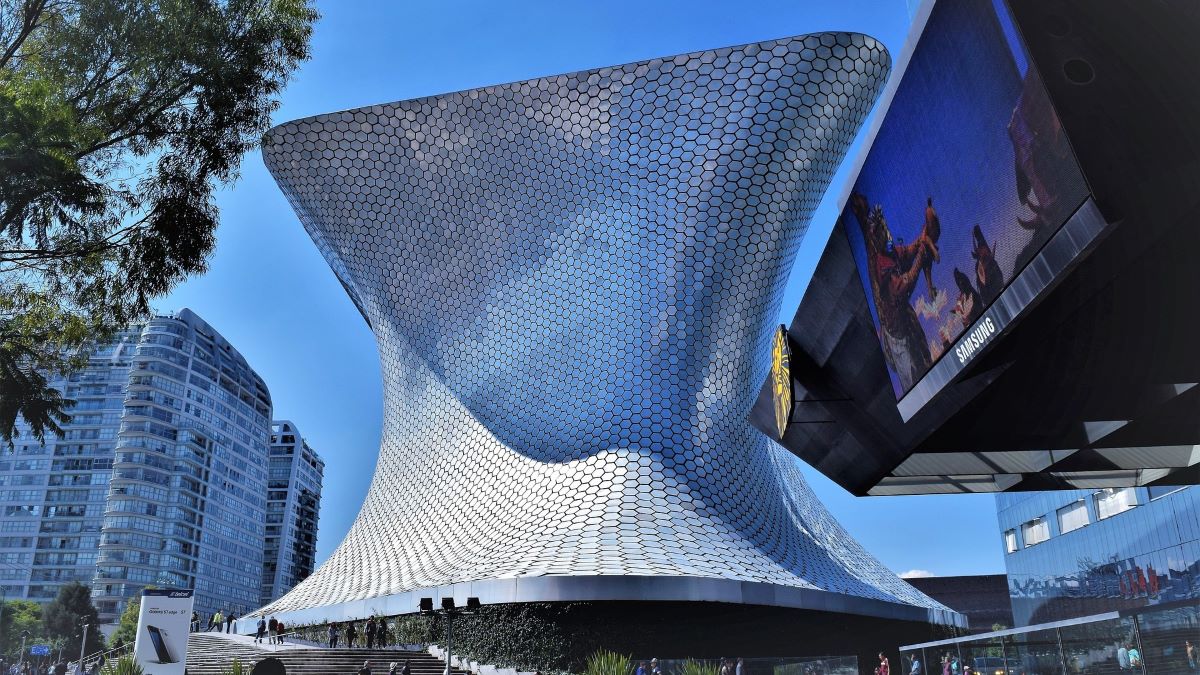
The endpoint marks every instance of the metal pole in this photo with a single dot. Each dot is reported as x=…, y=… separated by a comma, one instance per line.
x=1137, y=637
x=21, y=665
x=449, y=638
x=82, y=647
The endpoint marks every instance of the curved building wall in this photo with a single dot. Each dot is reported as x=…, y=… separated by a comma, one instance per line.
x=572, y=281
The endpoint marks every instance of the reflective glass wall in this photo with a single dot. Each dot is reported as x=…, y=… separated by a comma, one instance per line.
x=1083, y=552
x=1159, y=640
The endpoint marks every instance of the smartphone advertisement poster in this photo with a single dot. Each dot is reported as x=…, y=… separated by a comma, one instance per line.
x=162, y=632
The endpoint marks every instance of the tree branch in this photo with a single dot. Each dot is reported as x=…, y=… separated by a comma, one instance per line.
x=31, y=15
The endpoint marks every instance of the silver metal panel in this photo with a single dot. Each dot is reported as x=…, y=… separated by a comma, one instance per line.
x=572, y=281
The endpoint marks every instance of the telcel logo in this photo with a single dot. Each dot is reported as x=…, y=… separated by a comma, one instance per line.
x=974, y=340
x=179, y=594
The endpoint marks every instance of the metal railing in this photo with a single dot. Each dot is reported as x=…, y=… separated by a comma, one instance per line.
x=102, y=656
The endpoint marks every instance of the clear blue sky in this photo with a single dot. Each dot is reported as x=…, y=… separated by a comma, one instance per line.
x=270, y=293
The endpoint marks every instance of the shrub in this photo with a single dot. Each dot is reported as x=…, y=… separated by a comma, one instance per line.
x=694, y=667
x=604, y=662
x=235, y=668
x=124, y=665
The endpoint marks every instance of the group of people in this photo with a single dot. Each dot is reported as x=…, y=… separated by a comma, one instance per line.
x=59, y=667
x=1128, y=657
x=273, y=630
x=215, y=622
x=726, y=667
x=394, y=669
x=914, y=666
x=375, y=632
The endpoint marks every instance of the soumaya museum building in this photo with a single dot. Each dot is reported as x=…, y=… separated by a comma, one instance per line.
x=574, y=282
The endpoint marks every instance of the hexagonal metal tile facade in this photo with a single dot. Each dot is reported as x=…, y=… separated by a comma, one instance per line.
x=572, y=281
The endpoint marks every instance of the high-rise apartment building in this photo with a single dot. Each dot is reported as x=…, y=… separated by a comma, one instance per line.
x=52, y=495
x=159, y=479
x=293, y=508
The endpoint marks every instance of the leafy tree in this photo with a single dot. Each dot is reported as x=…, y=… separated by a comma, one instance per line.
x=118, y=120
x=66, y=614
x=126, y=630
x=19, y=616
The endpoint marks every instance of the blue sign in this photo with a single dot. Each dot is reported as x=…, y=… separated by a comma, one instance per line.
x=40, y=650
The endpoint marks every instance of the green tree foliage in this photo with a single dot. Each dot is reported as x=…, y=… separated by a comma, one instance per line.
x=126, y=630
x=19, y=616
x=118, y=120
x=66, y=614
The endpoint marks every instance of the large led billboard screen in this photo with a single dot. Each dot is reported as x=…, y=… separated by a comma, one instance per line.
x=969, y=176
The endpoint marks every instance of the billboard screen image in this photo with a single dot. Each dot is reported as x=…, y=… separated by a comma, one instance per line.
x=969, y=176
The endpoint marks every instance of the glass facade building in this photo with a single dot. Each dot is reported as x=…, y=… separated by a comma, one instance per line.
x=53, y=495
x=1160, y=640
x=293, y=509
x=159, y=479
x=1082, y=552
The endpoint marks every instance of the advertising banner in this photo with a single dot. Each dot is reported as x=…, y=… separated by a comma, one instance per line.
x=970, y=176
x=162, y=632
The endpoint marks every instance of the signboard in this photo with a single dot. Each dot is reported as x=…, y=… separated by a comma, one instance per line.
x=39, y=650
x=968, y=180
x=781, y=379
x=162, y=631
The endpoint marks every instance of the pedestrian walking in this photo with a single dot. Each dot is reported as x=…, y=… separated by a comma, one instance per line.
x=370, y=633
x=262, y=630
x=351, y=633
x=332, y=633
x=279, y=627
x=229, y=621
x=406, y=670
x=366, y=668
x=217, y=620
x=272, y=630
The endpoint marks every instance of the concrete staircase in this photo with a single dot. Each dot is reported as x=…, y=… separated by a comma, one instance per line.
x=211, y=653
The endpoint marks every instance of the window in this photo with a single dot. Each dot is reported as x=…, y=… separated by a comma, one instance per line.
x=1111, y=501
x=1035, y=531
x=1010, y=541
x=1072, y=517
x=1164, y=490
